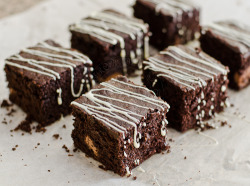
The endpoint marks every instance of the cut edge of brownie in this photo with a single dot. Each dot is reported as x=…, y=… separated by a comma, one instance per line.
x=189, y=107
x=169, y=26
x=235, y=55
x=120, y=48
x=39, y=86
x=120, y=151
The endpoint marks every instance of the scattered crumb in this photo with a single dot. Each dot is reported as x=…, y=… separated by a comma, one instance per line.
x=102, y=167
x=168, y=151
x=4, y=121
x=224, y=123
x=134, y=178
x=185, y=157
x=10, y=113
x=6, y=103
x=13, y=149
x=75, y=149
x=70, y=155
x=40, y=128
x=171, y=140
x=38, y=144
x=56, y=136
x=64, y=126
x=48, y=170
x=25, y=125
x=66, y=148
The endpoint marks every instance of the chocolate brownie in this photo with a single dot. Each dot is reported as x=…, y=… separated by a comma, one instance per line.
x=229, y=42
x=194, y=84
x=44, y=79
x=171, y=21
x=116, y=43
x=120, y=124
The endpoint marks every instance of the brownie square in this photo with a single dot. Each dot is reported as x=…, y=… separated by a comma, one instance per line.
x=120, y=124
x=117, y=44
x=229, y=42
x=45, y=78
x=194, y=84
x=171, y=21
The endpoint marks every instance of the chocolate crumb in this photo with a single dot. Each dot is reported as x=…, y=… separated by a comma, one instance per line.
x=102, y=167
x=56, y=136
x=75, y=149
x=48, y=170
x=134, y=178
x=5, y=103
x=168, y=151
x=13, y=149
x=64, y=126
x=171, y=140
x=66, y=148
x=38, y=143
x=10, y=113
x=185, y=157
x=40, y=128
x=70, y=155
x=25, y=125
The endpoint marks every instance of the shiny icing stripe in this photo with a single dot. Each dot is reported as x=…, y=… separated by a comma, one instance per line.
x=101, y=108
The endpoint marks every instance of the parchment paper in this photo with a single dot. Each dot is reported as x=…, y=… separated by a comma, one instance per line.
x=213, y=157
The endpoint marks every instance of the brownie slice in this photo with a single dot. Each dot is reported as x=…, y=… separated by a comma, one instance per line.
x=44, y=79
x=120, y=124
x=116, y=43
x=194, y=84
x=229, y=42
x=171, y=21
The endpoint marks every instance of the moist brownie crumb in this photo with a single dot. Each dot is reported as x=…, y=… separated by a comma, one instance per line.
x=48, y=170
x=66, y=148
x=134, y=178
x=64, y=126
x=185, y=158
x=224, y=123
x=13, y=149
x=70, y=155
x=40, y=128
x=4, y=121
x=171, y=140
x=25, y=125
x=5, y=103
x=10, y=113
x=102, y=167
x=168, y=151
x=56, y=136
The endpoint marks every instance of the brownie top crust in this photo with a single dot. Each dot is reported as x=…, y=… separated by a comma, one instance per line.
x=119, y=104
x=48, y=61
x=173, y=8
x=235, y=35
x=110, y=28
x=186, y=67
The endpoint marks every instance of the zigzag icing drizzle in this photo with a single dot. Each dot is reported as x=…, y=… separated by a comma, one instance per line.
x=189, y=71
x=113, y=114
x=42, y=67
x=173, y=7
x=101, y=23
x=228, y=29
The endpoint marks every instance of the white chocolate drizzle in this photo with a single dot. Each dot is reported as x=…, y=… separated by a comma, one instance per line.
x=190, y=71
x=113, y=115
x=173, y=7
x=61, y=58
x=233, y=31
x=102, y=24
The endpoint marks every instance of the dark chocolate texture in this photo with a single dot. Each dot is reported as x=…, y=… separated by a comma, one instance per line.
x=120, y=124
